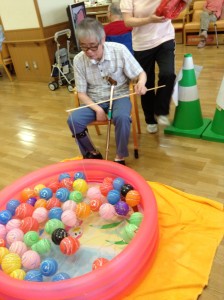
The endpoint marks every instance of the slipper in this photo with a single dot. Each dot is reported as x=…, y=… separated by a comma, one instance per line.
x=120, y=161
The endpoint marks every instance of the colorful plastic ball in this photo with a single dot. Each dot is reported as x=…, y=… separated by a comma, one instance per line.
x=79, y=175
x=93, y=193
x=3, y=231
x=54, y=185
x=53, y=202
x=126, y=188
x=5, y=216
x=80, y=185
x=118, y=183
x=12, y=205
x=99, y=262
x=13, y=235
x=55, y=213
x=136, y=218
x=105, y=188
x=42, y=246
x=3, y=252
x=133, y=198
x=31, y=260
x=38, y=188
x=63, y=175
x=95, y=204
x=48, y=267
x=69, y=245
x=18, y=274
x=128, y=232
x=13, y=223
x=32, y=201
x=107, y=211
x=10, y=262
x=24, y=210
x=69, y=218
x=31, y=238
x=40, y=203
x=108, y=180
x=34, y=275
x=121, y=208
x=46, y=193
x=29, y=224
x=58, y=235
x=113, y=196
x=76, y=196
x=82, y=210
x=62, y=194
x=2, y=243
x=67, y=183
x=18, y=247
x=69, y=204
x=60, y=276
x=53, y=224
x=40, y=214
x=27, y=193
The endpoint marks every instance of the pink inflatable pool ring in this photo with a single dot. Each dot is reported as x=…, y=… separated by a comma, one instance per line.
x=119, y=276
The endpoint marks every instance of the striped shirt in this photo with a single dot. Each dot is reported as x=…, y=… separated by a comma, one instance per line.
x=117, y=62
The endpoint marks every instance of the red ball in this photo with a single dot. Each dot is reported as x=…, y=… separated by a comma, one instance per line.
x=99, y=262
x=95, y=204
x=29, y=224
x=53, y=202
x=2, y=243
x=67, y=183
x=54, y=185
x=69, y=245
x=105, y=188
x=24, y=210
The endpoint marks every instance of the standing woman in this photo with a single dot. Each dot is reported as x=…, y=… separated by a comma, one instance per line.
x=153, y=42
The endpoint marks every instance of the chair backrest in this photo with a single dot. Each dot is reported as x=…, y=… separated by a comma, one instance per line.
x=125, y=39
x=197, y=9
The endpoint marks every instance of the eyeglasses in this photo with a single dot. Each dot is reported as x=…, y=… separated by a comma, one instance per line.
x=92, y=48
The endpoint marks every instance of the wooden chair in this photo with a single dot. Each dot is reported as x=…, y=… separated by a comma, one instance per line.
x=179, y=22
x=5, y=59
x=135, y=121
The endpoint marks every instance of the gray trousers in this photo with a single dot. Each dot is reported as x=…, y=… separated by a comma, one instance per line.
x=206, y=19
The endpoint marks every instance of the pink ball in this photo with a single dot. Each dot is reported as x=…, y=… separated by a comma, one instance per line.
x=107, y=211
x=40, y=214
x=69, y=204
x=69, y=218
x=93, y=193
x=3, y=231
x=18, y=247
x=31, y=260
x=14, y=235
x=13, y=223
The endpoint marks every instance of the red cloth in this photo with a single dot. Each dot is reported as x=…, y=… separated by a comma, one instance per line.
x=116, y=28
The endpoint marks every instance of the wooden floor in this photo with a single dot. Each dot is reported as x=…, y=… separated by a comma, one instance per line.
x=34, y=134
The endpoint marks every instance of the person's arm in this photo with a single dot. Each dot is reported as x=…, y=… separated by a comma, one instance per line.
x=131, y=21
x=140, y=87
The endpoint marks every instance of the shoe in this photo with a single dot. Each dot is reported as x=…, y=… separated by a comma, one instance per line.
x=204, y=34
x=201, y=44
x=163, y=120
x=152, y=128
x=120, y=161
x=90, y=155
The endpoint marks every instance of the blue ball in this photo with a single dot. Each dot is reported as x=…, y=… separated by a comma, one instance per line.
x=12, y=205
x=113, y=196
x=5, y=216
x=60, y=276
x=62, y=194
x=63, y=176
x=46, y=193
x=55, y=213
x=118, y=183
x=79, y=175
x=34, y=275
x=48, y=267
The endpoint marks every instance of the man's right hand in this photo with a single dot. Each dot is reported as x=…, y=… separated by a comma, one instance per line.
x=100, y=114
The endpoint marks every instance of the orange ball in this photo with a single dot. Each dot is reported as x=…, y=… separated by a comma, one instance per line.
x=53, y=202
x=95, y=204
x=69, y=245
x=133, y=198
x=82, y=210
x=27, y=193
x=24, y=210
x=29, y=224
x=40, y=203
x=99, y=262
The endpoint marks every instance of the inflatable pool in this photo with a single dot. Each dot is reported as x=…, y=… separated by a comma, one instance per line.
x=118, y=277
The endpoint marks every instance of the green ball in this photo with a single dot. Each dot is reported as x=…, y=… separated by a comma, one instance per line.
x=128, y=232
x=30, y=238
x=76, y=196
x=42, y=246
x=136, y=218
x=53, y=224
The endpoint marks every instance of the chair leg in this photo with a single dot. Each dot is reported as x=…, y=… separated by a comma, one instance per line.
x=137, y=114
x=7, y=72
x=216, y=35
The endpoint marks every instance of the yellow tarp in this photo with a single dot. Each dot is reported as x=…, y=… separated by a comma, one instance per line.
x=191, y=228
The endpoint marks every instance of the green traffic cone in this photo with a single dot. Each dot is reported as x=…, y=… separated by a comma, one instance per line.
x=188, y=119
x=215, y=130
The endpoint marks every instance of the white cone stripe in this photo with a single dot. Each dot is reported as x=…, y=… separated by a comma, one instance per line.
x=188, y=94
x=220, y=97
x=188, y=63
